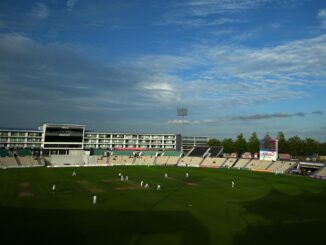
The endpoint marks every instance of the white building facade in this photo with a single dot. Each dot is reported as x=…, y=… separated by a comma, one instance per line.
x=53, y=138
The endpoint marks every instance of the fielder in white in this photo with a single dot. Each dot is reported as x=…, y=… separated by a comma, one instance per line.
x=232, y=183
x=94, y=199
x=53, y=189
x=146, y=186
x=121, y=177
x=126, y=177
x=74, y=173
x=141, y=183
x=158, y=187
x=166, y=175
x=187, y=175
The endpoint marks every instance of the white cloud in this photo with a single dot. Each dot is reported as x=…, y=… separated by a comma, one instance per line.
x=231, y=76
x=71, y=4
x=39, y=11
x=159, y=88
x=197, y=13
x=322, y=17
x=204, y=78
x=204, y=8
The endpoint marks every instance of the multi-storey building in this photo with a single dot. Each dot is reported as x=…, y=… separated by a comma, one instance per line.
x=19, y=138
x=51, y=139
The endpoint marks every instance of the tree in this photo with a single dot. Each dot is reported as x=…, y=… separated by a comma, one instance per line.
x=228, y=145
x=241, y=144
x=253, y=143
x=214, y=142
x=310, y=146
x=322, y=149
x=282, y=144
x=295, y=146
x=267, y=144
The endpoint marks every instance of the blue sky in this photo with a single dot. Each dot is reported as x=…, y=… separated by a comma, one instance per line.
x=236, y=65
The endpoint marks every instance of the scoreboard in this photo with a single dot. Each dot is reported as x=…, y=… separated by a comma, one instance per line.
x=268, y=149
x=63, y=136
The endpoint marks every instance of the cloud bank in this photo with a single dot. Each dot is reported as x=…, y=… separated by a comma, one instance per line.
x=39, y=11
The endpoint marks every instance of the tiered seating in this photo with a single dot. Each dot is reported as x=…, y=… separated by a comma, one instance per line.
x=172, y=160
x=215, y=151
x=321, y=172
x=121, y=158
x=190, y=161
x=258, y=164
x=241, y=163
x=24, y=152
x=162, y=160
x=8, y=162
x=148, y=153
x=4, y=153
x=281, y=166
x=171, y=153
x=213, y=162
x=28, y=161
x=198, y=151
x=168, y=158
x=185, y=161
x=122, y=153
x=145, y=160
x=98, y=152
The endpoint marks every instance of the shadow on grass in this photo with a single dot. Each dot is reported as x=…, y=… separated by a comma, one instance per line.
x=41, y=226
x=292, y=219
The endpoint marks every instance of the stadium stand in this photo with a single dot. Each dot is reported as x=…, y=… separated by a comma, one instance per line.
x=8, y=162
x=281, y=166
x=28, y=161
x=122, y=158
x=321, y=172
x=162, y=160
x=213, y=162
x=98, y=152
x=242, y=163
x=145, y=160
x=198, y=151
x=122, y=153
x=172, y=153
x=229, y=162
x=215, y=151
x=258, y=165
x=168, y=158
x=5, y=153
x=190, y=161
x=148, y=153
x=24, y=152
x=173, y=160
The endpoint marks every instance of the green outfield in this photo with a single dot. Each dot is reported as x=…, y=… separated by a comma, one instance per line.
x=203, y=209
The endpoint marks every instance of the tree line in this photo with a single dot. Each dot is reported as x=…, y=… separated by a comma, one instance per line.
x=294, y=145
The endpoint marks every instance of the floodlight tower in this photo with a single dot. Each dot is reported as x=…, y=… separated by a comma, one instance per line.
x=182, y=112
